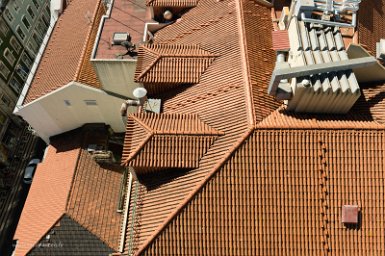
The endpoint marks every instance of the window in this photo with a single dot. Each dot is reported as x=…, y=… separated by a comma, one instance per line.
x=9, y=56
x=16, y=7
x=67, y=103
x=45, y=20
x=40, y=27
x=47, y=9
x=36, y=4
x=15, y=85
x=1, y=41
x=15, y=44
x=26, y=22
x=30, y=11
x=26, y=60
x=22, y=71
x=4, y=70
x=3, y=27
x=91, y=102
x=37, y=39
x=5, y=100
x=32, y=49
x=20, y=33
x=8, y=15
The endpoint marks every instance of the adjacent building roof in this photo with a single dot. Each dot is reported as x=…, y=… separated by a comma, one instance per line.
x=157, y=141
x=66, y=57
x=371, y=25
x=125, y=16
x=70, y=183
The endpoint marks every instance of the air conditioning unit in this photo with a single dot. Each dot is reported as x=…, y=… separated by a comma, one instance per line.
x=120, y=37
x=380, y=49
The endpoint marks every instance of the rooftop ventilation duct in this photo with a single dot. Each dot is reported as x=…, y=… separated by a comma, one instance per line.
x=350, y=214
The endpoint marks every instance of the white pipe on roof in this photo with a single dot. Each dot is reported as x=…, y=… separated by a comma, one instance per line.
x=125, y=219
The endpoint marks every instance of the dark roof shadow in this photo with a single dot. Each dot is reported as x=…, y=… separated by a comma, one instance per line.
x=153, y=180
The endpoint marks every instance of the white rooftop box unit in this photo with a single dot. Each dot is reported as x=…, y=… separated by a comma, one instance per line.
x=120, y=37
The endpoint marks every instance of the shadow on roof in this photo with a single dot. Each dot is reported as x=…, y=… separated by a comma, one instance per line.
x=153, y=182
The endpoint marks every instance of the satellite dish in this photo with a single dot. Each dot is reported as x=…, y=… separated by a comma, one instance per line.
x=167, y=15
x=139, y=92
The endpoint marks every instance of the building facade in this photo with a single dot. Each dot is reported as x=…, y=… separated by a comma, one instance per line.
x=23, y=25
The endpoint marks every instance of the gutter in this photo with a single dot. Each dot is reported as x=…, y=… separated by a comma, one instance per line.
x=125, y=220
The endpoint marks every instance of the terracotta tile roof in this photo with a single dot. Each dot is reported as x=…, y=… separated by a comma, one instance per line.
x=87, y=74
x=371, y=23
x=288, y=120
x=69, y=47
x=188, y=61
x=47, y=198
x=233, y=203
x=172, y=3
x=260, y=61
x=94, y=199
x=266, y=200
x=219, y=98
x=281, y=40
x=372, y=102
x=69, y=182
x=157, y=141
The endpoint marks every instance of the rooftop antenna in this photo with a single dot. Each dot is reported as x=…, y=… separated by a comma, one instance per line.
x=141, y=94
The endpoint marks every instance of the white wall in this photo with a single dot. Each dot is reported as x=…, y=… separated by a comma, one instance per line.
x=117, y=75
x=49, y=115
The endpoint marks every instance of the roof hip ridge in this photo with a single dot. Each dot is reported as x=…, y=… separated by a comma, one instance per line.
x=89, y=32
x=200, y=185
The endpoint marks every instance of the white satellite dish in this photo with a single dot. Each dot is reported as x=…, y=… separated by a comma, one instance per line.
x=139, y=92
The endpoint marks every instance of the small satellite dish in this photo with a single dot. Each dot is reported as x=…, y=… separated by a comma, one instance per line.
x=167, y=15
x=139, y=92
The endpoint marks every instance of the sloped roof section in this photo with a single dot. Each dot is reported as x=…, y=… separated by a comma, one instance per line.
x=47, y=198
x=188, y=61
x=93, y=200
x=65, y=57
x=160, y=140
x=283, y=119
x=277, y=202
x=281, y=40
x=69, y=238
x=172, y=3
x=371, y=23
x=69, y=182
x=260, y=58
x=217, y=26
